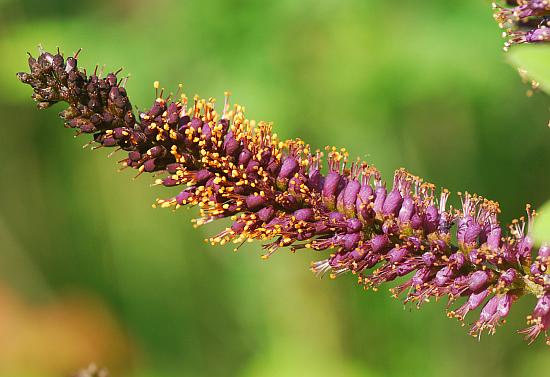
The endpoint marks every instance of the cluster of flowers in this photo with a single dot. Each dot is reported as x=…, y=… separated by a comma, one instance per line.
x=526, y=21
x=278, y=191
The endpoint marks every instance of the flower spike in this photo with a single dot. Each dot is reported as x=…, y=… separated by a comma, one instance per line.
x=277, y=191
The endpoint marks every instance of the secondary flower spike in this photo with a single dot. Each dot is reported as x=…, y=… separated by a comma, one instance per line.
x=526, y=21
x=280, y=192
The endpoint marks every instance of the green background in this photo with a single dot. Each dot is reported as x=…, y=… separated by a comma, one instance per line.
x=419, y=84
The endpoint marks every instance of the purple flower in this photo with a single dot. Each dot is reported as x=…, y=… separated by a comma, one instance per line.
x=275, y=191
x=539, y=320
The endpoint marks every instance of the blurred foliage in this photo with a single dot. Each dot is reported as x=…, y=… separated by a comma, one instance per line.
x=534, y=60
x=533, y=63
x=423, y=85
x=77, y=327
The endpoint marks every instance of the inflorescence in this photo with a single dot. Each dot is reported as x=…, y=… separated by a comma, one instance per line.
x=526, y=21
x=280, y=192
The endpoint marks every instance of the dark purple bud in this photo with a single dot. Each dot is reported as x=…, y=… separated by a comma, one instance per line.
x=462, y=224
x=407, y=209
x=304, y=214
x=353, y=225
x=183, y=123
x=404, y=269
x=321, y=227
x=364, y=198
x=231, y=145
x=255, y=202
x=244, y=157
x=456, y=261
x=458, y=284
x=476, y=299
x=390, y=227
x=225, y=125
x=70, y=65
x=421, y=276
x=350, y=197
x=415, y=242
x=114, y=93
x=397, y=254
x=472, y=232
x=289, y=167
x=134, y=156
x=195, y=124
x=58, y=60
x=336, y=217
x=330, y=188
x=440, y=245
x=120, y=133
x=393, y=202
x=266, y=214
x=290, y=202
x=252, y=167
x=478, y=281
x=169, y=181
x=417, y=221
x=508, y=277
x=110, y=79
x=45, y=58
x=357, y=255
x=238, y=226
x=109, y=142
x=379, y=242
x=431, y=219
x=183, y=197
x=173, y=167
x=474, y=256
x=443, y=276
x=87, y=127
x=150, y=165
x=273, y=167
x=265, y=157
x=206, y=132
x=156, y=151
x=380, y=196
x=203, y=175
x=489, y=309
x=139, y=137
x=315, y=180
x=32, y=62
x=351, y=240
x=428, y=258
x=504, y=304
x=493, y=238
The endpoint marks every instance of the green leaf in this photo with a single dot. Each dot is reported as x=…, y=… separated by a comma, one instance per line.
x=542, y=224
x=535, y=60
